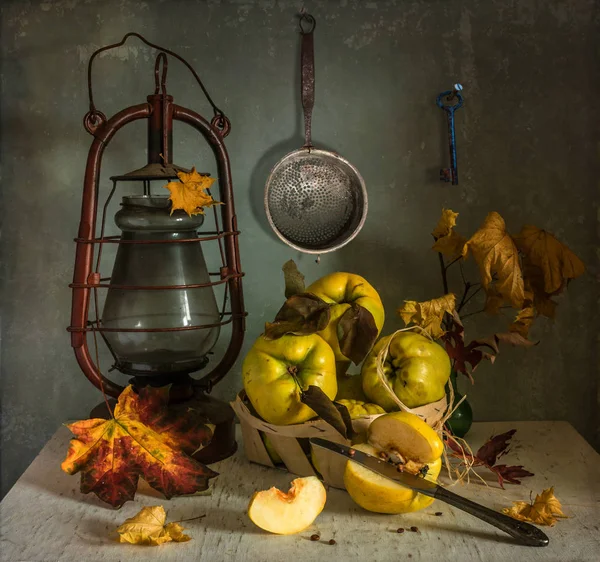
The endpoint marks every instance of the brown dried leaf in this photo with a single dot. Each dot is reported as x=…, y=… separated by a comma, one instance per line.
x=557, y=262
x=523, y=321
x=493, y=301
x=428, y=314
x=357, y=332
x=544, y=510
x=325, y=408
x=294, y=280
x=514, y=338
x=495, y=253
x=300, y=315
x=534, y=290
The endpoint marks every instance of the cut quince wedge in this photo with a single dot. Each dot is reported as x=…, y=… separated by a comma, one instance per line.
x=288, y=513
x=407, y=441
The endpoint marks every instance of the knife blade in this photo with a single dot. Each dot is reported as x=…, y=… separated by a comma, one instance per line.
x=525, y=533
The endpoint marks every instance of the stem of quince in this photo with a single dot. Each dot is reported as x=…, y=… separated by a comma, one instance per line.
x=293, y=371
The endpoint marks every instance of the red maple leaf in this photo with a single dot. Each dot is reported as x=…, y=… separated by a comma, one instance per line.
x=487, y=456
x=142, y=439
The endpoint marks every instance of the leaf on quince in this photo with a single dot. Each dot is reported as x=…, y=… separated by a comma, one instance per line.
x=428, y=314
x=189, y=194
x=300, y=315
x=148, y=528
x=357, y=332
x=294, y=280
x=556, y=261
x=496, y=254
x=447, y=240
x=544, y=510
x=336, y=415
x=142, y=439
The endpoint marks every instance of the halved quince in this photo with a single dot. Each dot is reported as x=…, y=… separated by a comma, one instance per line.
x=288, y=513
x=407, y=441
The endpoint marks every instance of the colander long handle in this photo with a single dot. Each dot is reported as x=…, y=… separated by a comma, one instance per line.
x=307, y=69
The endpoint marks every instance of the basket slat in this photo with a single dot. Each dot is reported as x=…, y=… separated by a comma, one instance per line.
x=292, y=455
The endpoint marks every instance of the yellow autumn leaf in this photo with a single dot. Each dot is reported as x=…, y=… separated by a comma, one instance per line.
x=496, y=254
x=428, y=314
x=534, y=290
x=523, y=321
x=189, y=194
x=447, y=241
x=451, y=245
x=545, y=510
x=148, y=528
x=556, y=261
x=493, y=300
x=446, y=223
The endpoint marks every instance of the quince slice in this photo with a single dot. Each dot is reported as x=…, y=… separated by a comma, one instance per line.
x=288, y=513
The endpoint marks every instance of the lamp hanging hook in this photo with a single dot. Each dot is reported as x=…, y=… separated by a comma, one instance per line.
x=160, y=83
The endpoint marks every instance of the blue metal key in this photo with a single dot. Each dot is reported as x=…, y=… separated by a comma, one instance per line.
x=445, y=101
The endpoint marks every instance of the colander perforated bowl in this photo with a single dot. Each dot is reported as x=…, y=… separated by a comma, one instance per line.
x=315, y=200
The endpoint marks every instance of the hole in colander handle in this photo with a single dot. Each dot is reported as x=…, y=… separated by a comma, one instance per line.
x=307, y=73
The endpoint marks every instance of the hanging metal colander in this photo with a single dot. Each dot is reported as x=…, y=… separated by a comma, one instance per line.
x=315, y=200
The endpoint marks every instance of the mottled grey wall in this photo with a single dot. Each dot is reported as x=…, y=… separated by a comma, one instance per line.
x=527, y=149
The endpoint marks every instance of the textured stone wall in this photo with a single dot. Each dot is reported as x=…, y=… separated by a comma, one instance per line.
x=527, y=141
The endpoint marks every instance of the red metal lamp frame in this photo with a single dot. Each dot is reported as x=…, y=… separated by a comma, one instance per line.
x=160, y=111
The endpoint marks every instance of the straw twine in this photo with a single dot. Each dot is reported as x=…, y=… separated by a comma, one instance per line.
x=456, y=472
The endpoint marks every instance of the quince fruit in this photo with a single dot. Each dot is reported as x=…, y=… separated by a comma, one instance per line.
x=275, y=372
x=287, y=513
x=359, y=408
x=350, y=388
x=407, y=441
x=341, y=290
x=273, y=454
x=415, y=371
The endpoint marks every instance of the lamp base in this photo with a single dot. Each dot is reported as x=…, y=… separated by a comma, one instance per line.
x=200, y=408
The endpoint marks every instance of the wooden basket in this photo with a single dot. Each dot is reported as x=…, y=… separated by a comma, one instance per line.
x=287, y=439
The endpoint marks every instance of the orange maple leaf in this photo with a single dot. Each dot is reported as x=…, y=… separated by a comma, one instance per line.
x=556, y=261
x=143, y=439
x=189, y=194
x=496, y=254
x=544, y=510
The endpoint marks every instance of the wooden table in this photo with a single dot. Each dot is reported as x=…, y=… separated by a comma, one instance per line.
x=44, y=517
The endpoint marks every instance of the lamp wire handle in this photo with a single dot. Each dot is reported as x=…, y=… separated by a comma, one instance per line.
x=95, y=114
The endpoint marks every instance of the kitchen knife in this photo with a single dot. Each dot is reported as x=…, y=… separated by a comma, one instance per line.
x=525, y=533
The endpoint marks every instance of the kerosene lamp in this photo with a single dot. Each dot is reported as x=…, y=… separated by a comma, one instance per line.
x=160, y=318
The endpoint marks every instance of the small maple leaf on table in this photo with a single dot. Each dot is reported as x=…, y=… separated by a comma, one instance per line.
x=544, y=510
x=149, y=528
x=142, y=439
x=487, y=456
